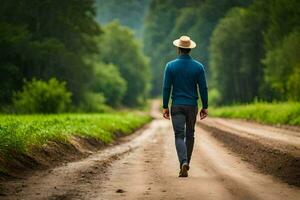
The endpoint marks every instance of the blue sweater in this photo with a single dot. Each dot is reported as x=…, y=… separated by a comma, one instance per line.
x=183, y=75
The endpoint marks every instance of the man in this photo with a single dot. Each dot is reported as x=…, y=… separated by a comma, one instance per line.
x=183, y=75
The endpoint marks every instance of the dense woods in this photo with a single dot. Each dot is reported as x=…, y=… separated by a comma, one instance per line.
x=90, y=50
x=250, y=48
x=41, y=40
x=130, y=13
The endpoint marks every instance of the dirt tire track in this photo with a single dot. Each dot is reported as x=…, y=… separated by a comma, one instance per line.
x=151, y=172
x=73, y=180
x=283, y=165
x=145, y=166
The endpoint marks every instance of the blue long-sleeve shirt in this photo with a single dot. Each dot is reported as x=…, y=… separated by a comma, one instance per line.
x=183, y=75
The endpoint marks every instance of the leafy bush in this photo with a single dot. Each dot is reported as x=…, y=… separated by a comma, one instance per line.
x=109, y=81
x=38, y=96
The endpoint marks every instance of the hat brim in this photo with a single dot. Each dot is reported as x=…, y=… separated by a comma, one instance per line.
x=177, y=44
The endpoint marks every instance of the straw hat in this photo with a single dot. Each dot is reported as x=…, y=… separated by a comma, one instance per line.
x=184, y=42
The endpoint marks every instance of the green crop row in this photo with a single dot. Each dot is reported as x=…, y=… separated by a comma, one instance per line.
x=18, y=133
x=286, y=113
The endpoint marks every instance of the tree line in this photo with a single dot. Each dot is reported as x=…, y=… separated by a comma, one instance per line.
x=130, y=13
x=60, y=44
x=250, y=48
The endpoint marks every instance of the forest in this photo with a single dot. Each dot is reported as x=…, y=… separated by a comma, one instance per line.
x=92, y=56
x=250, y=49
x=55, y=57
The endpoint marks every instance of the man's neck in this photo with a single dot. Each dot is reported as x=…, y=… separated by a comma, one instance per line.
x=183, y=54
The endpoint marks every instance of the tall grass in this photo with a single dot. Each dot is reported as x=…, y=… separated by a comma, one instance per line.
x=18, y=133
x=270, y=113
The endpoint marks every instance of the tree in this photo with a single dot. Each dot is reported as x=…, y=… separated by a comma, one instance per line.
x=282, y=70
x=110, y=83
x=119, y=48
x=159, y=22
x=282, y=50
x=208, y=15
x=130, y=12
x=48, y=39
x=236, y=50
x=284, y=18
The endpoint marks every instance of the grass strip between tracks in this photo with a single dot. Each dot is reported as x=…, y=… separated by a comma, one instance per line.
x=286, y=113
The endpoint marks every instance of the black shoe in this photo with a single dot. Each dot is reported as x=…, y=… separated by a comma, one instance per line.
x=188, y=167
x=184, y=170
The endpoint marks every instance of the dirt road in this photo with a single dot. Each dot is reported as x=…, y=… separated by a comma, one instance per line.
x=145, y=166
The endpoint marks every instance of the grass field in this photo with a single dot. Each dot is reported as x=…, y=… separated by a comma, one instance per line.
x=18, y=133
x=287, y=113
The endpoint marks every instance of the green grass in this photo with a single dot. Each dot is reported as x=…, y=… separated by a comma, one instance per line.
x=18, y=133
x=287, y=113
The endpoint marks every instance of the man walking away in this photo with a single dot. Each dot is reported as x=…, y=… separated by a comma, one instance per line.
x=183, y=75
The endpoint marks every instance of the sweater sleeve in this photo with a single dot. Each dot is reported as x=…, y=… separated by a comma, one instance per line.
x=203, y=88
x=167, y=83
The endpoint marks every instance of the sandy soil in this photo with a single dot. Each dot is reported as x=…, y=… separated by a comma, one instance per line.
x=145, y=166
x=272, y=150
x=277, y=138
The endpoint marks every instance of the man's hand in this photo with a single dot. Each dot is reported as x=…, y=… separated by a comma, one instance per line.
x=166, y=113
x=203, y=113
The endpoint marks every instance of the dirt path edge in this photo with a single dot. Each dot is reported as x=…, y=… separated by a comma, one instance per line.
x=56, y=153
x=280, y=164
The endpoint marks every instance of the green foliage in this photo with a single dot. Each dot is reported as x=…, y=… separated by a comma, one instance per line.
x=233, y=38
x=270, y=113
x=129, y=12
x=250, y=48
x=93, y=102
x=282, y=70
x=159, y=23
x=13, y=40
x=45, y=39
x=167, y=20
x=235, y=53
x=109, y=81
x=119, y=47
x=284, y=18
x=214, y=97
x=208, y=15
x=282, y=50
x=18, y=134
x=294, y=84
x=42, y=97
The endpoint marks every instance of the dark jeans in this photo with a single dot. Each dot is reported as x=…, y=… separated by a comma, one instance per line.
x=183, y=120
